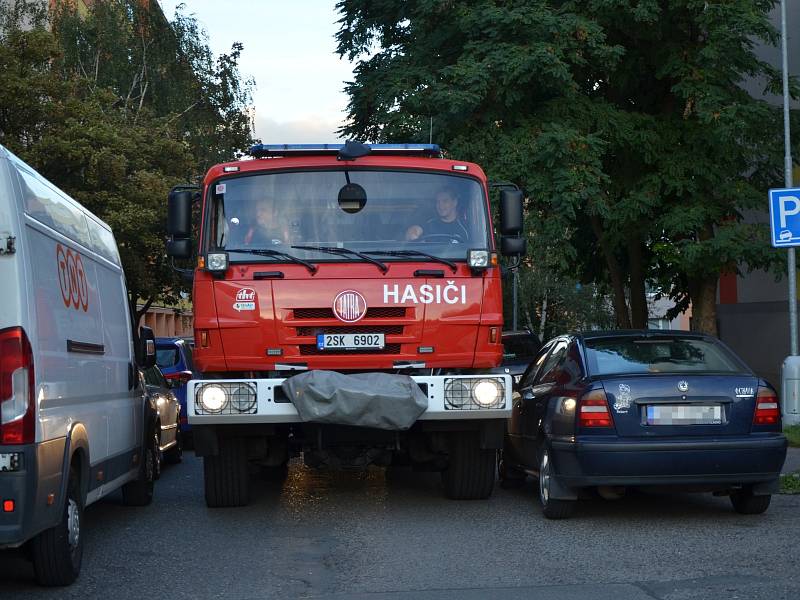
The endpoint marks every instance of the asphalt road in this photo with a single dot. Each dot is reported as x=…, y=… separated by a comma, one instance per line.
x=374, y=536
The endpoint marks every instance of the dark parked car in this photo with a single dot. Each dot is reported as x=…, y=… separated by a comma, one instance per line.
x=174, y=358
x=611, y=410
x=519, y=349
x=166, y=404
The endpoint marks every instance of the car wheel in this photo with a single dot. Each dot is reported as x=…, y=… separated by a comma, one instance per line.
x=58, y=551
x=746, y=503
x=470, y=472
x=175, y=454
x=551, y=508
x=140, y=491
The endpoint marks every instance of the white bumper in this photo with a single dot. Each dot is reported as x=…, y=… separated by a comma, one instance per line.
x=267, y=410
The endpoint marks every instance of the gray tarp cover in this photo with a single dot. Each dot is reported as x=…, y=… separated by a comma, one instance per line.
x=379, y=400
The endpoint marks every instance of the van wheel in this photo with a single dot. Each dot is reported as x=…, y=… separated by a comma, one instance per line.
x=175, y=454
x=140, y=491
x=551, y=508
x=746, y=503
x=58, y=551
x=226, y=476
x=470, y=473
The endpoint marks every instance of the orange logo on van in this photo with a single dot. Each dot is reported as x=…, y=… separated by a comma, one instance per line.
x=72, y=278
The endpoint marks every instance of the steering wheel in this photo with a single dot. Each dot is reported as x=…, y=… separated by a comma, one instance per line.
x=433, y=237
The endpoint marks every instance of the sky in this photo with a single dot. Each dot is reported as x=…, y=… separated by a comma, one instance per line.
x=289, y=50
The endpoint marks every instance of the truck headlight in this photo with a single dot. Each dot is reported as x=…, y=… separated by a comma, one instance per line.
x=217, y=261
x=212, y=398
x=474, y=393
x=238, y=397
x=486, y=392
x=478, y=259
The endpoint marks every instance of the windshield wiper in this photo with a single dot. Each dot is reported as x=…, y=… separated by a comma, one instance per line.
x=276, y=253
x=345, y=251
x=449, y=263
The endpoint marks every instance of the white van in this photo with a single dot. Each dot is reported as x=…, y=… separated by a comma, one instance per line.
x=74, y=421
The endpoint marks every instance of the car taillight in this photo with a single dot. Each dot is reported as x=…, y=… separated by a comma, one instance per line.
x=16, y=387
x=593, y=410
x=768, y=411
x=182, y=376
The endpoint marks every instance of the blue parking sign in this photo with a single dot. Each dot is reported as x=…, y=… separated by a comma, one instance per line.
x=784, y=217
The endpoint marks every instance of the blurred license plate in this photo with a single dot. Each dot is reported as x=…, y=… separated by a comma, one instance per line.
x=349, y=341
x=683, y=414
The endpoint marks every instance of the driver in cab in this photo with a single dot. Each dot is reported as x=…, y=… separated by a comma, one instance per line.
x=445, y=224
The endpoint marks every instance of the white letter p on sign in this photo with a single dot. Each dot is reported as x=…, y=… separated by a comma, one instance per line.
x=785, y=211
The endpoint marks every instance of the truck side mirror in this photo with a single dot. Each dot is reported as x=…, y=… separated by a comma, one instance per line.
x=146, y=349
x=513, y=246
x=180, y=248
x=511, y=212
x=179, y=214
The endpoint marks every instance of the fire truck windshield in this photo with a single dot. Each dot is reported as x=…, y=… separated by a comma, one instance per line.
x=362, y=210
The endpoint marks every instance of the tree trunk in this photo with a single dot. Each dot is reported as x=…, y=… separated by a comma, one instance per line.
x=703, y=291
x=615, y=275
x=639, y=312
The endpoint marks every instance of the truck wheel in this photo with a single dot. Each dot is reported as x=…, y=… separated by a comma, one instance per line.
x=471, y=471
x=551, y=508
x=226, y=474
x=140, y=491
x=58, y=551
x=746, y=503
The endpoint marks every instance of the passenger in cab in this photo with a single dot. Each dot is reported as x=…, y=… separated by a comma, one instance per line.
x=446, y=223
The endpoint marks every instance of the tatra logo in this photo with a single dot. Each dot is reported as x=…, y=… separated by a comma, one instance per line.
x=683, y=386
x=349, y=306
x=246, y=294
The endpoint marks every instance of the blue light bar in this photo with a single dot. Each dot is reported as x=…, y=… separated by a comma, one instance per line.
x=265, y=150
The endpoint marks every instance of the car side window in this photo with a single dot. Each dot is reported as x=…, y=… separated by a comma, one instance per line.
x=535, y=366
x=550, y=369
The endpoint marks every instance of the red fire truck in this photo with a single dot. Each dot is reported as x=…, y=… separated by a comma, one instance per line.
x=347, y=306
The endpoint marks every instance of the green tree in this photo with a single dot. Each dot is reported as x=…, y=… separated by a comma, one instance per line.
x=106, y=133
x=625, y=122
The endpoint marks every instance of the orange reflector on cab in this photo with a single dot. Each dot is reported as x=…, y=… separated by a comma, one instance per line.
x=201, y=262
x=204, y=339
x=492, y=335
x=8, y=506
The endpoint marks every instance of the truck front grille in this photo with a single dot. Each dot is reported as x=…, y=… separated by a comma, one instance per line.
x=376, y=312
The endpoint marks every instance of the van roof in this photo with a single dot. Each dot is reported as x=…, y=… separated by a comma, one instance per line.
x=7, y=154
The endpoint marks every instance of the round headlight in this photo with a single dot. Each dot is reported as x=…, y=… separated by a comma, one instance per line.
x=213, y=398
x=486, y=393
x=243, y=398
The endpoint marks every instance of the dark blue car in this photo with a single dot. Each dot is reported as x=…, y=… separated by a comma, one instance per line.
x=174, y=358
x=612, y=410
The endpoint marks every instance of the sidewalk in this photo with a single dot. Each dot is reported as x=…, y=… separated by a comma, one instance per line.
x=792, y=464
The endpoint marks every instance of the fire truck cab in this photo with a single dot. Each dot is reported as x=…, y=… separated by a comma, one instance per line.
x=347, y=306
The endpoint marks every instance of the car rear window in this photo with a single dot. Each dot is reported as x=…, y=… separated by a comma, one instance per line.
x=167, y=357
x=613, y=356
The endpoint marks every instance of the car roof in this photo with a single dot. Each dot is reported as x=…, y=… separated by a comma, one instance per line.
x=656, y=333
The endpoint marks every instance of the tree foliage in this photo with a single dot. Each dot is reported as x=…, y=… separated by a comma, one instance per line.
x=625, y=122
x=115, y=108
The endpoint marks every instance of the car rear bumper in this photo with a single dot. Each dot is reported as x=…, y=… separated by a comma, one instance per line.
x=708, y=462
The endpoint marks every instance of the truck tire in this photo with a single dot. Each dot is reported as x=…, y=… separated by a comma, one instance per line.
x=58, y=552
x=140, y=491
x=470, y=473
x=226, y=475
